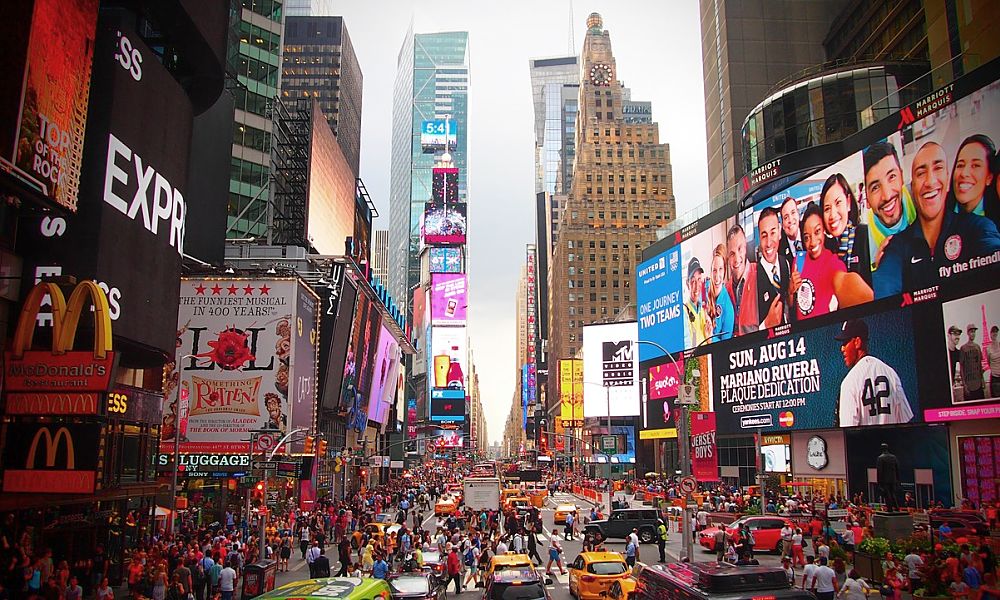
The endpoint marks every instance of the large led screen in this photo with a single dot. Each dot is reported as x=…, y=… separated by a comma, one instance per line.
x=448, y=357
x=610, y=370
x=437, y=134
x=447, y=406
x=858, y=373
x=445, y=260
x=386, y=368
x=685, y=291
x=449, y=299
x=332, y=185
x=359, y=367
x=659, y=416
x=444, y=224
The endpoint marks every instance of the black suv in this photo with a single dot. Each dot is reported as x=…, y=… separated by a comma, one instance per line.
x=623, y=521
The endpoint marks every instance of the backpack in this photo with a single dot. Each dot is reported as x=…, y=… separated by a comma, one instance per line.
x=469, y=558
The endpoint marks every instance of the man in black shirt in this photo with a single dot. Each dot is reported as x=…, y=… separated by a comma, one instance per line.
x=321, y=566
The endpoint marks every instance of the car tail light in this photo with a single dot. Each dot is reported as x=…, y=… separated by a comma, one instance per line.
x=588, y=579
x=763, y=598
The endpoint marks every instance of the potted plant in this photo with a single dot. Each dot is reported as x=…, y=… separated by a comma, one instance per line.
x=869, y=555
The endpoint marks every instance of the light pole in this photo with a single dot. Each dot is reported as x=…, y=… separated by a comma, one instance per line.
x=177, y=440
x=607, y=398
x=268, y=455
x=683, y=444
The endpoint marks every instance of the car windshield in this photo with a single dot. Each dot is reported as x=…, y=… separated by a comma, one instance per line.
x=606, y=568
x=410, y=585
x=509, y=591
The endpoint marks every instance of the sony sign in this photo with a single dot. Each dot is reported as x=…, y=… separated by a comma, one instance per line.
x=153, y=198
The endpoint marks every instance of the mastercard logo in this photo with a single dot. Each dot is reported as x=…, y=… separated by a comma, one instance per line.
x=786, y=419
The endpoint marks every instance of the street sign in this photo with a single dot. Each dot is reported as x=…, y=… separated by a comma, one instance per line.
x=820, y=507
x=838, y=526
x=921, y=519
x=689, y=484
x=272, y=495
x=609, y=444
x=264, y=441
x=837, y=513
x=265, y=464
x=686, y=395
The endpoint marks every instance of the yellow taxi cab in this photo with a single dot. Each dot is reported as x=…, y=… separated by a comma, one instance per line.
x=508, y=493
x=378, y=531
x=515, y=502
x=562, y=511
x=621, y=589
x=445, y=506
x=508, y=562
x=592, y=573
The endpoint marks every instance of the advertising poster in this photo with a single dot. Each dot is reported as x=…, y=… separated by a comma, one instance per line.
x=234, y=361
x=52, y=458
x=411, y=418
x=566, y=393
x=448, y=356
x=447, y=406
x=659, y=418
x=979, y=457
x=685, y=292
x=864, y=446
x=945, y=163
x=444, y=224
x=578, y=392
x=383, y=386
x=450, y=439
x=704, y=454
x=305, y=340
x=444, y=185
x=611, y=363
x=808, y=248
x=972, y=342
x=437, y=134
x=335, y=338
x=560, y=434
x=359, y=368
x=445, y=260
x=859, y=373
x=625, y=438
x=449, y=299
x=52, y=92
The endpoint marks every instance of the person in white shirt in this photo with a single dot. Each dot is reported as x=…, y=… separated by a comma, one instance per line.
x=854, y=587
x=913, y=563
x=808, y=572
x=786, y=540
x=871, y=393
x=518, y=543
x=501, y=547
x=702, y=519
x=227, y=582
x=848, y=536
x=824, y=581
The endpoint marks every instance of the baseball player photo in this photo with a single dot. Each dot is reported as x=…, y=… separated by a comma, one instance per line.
x=871, y=392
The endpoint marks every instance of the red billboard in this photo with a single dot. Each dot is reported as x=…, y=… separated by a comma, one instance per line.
x=704, y=454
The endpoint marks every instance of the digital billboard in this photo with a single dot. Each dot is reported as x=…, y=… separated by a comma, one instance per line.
x=448, y=357
x=447, y=406
x=337, y=312
x=305, y=341
x=436, y=135
x=445, y=260
x=386, y=369
x=684, y=291
x=359, y=367
x=858, y=373
x=45, y=93
x=570, y=399
x=331, y=214
x=444, y=224
x=444, y=185
x=610, y=370
x=449, y=299
x=238, y=360
x=624, y=444
x=659, y=416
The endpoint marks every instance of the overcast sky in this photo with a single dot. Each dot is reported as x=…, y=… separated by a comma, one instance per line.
x=657, y=47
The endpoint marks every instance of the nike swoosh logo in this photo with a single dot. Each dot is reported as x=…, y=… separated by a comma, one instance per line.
x=914, y=260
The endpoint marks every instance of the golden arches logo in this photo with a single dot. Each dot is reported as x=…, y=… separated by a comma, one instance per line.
x=51, y=447
x=65, y=318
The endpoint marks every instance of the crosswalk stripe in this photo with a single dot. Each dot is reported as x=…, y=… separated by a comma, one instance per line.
x=541, y=537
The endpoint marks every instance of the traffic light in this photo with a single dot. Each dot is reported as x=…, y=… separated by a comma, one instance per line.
x=309, y=444
x=260, y=489
x=364, y=472
x=543, y=425
x=321, y=447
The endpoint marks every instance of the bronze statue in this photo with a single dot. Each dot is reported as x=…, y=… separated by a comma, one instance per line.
x=887, y=469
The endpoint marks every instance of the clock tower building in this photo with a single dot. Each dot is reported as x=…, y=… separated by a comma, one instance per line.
x=621, y=194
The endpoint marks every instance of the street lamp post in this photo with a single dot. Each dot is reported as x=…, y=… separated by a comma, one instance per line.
x=177, y=441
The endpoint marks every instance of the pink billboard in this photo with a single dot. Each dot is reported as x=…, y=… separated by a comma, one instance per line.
x=449, y=299
x=663, y=381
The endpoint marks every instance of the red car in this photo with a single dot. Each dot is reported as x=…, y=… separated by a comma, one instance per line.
x=766, y=533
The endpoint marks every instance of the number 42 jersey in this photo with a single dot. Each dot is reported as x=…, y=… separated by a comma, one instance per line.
x=872, y=394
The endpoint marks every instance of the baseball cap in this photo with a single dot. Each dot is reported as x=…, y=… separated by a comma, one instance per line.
x=954, y=329
x=852, y=329
x=693, y=266
x=971, y=326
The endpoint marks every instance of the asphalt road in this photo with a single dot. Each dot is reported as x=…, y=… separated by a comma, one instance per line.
x=648, y=553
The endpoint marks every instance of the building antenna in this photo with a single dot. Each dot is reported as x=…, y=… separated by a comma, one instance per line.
x=572, y=42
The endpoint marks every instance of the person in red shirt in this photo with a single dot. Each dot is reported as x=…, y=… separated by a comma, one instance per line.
x=824, y=285
x=454, y=566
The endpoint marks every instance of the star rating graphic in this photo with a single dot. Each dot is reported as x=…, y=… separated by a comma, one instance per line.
x=232, y=288
x=216, y=289
x=248, y=290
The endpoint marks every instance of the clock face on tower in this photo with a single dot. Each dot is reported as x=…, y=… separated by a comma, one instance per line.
x=600, y=74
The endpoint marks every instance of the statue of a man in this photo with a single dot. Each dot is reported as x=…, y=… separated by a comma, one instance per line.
x=887, y=468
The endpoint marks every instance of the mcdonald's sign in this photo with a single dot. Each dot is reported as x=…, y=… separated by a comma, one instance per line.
x=60, y=381
x=51, y=457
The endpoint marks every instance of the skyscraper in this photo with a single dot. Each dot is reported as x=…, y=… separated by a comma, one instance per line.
x=548, y=78
x=380, y=255
x=259, y=77
x=308, y=8
x=741, y=63
x=319, y=62
x=622, y=191
x=432, y=83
